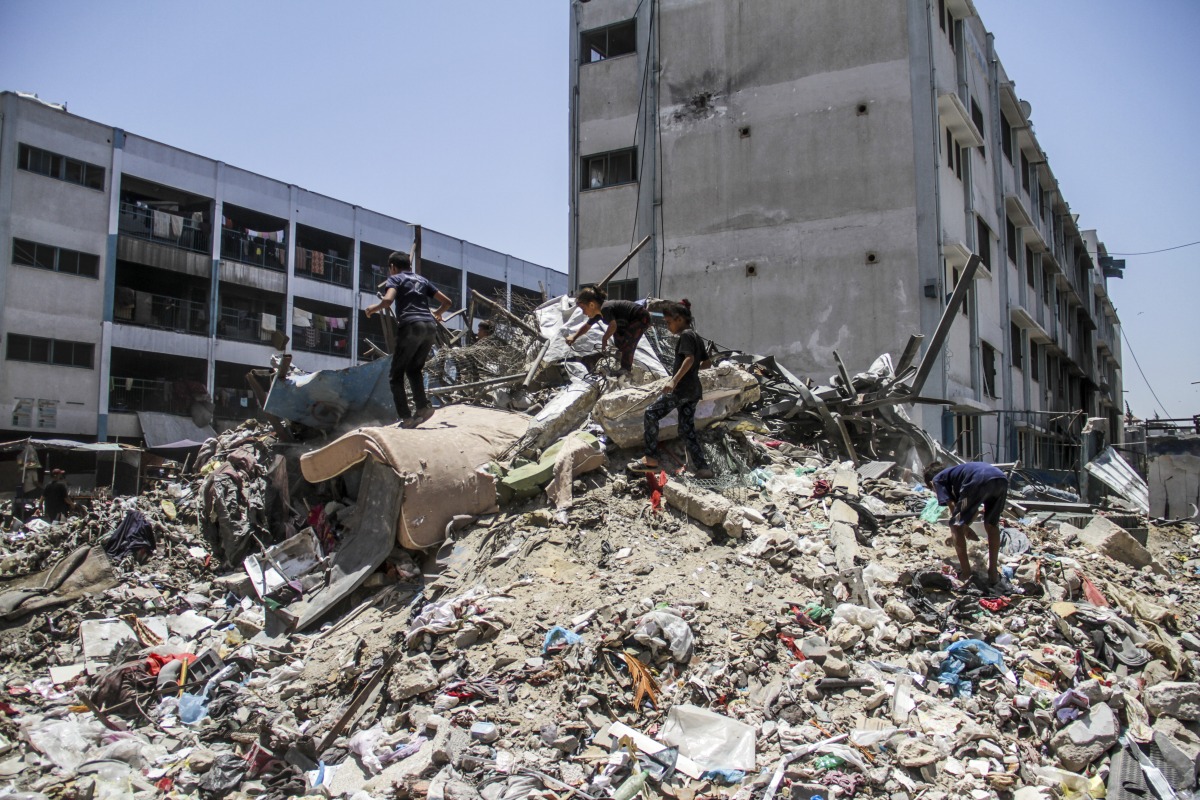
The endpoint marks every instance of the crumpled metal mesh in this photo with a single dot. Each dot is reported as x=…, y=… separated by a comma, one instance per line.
x=508, y=351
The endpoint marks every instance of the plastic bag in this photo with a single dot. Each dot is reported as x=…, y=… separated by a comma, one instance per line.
x=66, y=742
x=656, y=629
x=363, y=745
x=868, y=619
x=932, y=511
x=192, y=708
x=559, y=638
x=712, y=740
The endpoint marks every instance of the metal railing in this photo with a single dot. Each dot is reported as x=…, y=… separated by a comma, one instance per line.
x=164, y=312
x=323, y=267
x=314, y=340
x=144, y=394
x=238, y=246
x=245, y=326
x=172, y=230
x=232, y=403
x=369, y=279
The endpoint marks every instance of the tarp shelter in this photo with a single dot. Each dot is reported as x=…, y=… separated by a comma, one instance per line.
x=170, y=432
x=335, y=399
x=115, y=465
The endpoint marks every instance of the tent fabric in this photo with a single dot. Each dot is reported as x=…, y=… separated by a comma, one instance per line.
x=63, y=444
x=167, y=431
x=438, y=463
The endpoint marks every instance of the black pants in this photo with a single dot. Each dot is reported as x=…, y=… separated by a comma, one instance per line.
x=687, y=426
x=414, y=341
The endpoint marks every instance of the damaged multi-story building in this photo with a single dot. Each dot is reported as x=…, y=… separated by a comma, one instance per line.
x=815, y=175
x=138, y=277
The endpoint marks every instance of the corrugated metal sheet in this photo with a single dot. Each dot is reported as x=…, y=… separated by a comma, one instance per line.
x=1115, y=473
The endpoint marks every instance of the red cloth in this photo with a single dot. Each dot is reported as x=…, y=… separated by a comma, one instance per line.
x=157, y=662
x=656, y=481
x=995, y=603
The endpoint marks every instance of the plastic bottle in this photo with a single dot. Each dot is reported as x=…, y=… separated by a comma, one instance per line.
x=632, y=785
x=828, y=762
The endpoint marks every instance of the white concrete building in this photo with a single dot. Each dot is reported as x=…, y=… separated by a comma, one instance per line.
x=137, y=275
x=815, y=174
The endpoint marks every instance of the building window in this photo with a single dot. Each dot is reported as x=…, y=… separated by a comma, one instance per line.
x=72, y=170
x=1016, y=345
x=1030, y=271
x=983, y=244
x=60, y=352
x=623, y=290
x=989, y=370
x=1047, y=280
x=964, y=435
x=1006, y=138
x=966, y=303
x=977, y=118
x=1025, y=172
x=953, y=154
x=610, y=169
x=946, y=21
x=601, y=44
x=1010, y=239
x=55, y=259
x=1033, y=360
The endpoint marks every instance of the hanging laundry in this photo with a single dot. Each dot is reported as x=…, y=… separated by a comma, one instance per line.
x=318, y=263
x=268, y=322
x=301, y=318
x=162, y=224
x=176, y=226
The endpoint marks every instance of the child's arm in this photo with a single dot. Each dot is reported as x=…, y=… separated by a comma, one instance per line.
x=608, y=332
x=678, y=376
x=587, y=326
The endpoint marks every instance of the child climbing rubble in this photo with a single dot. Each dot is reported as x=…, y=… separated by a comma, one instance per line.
x=626, y=321
x=964, y=488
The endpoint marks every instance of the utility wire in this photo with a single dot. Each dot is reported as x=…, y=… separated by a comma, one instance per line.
x=1144, y=378
x=1152, y=252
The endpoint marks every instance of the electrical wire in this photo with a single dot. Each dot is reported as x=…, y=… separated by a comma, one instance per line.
x=1152, y=252
x=1144, y=378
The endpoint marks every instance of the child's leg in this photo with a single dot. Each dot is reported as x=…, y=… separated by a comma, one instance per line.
x=654, y=414
x=687, y=429
x=960, y=547
x=993, y=534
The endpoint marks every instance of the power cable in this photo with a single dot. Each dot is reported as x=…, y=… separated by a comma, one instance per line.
x=1152, y=252
x=1144, y=378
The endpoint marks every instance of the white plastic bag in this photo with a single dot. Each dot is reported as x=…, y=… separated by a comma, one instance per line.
x=712, y=740
x=363, y=745
x=657, y=629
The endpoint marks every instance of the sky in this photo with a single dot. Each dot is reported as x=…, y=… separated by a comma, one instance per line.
x=454, y=115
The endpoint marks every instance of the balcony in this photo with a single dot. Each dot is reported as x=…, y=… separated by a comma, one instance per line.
x=126, y=394
x=160, y=311
x=174, y=230
x=323, y=267
x=313, y=340
x=266, y=253
x=236, y=404
x=247, y=326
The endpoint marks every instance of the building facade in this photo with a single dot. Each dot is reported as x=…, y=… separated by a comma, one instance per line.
x=138, y=276
x=814, y=176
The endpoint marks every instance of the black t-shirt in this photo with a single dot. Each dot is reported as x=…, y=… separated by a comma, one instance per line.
x=618, y=311
x=412, y=297
x=55, y=499
x=690, y=344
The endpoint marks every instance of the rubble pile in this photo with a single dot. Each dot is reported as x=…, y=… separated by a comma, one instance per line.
x=790, y=627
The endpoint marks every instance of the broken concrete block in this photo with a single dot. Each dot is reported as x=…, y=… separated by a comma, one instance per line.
x=707, y=508
x=1178, y=700
x=1109, y=539
x=845, y=546
x=411, y=677
x=836, y=667
x=1086, y=739
x=845, y=635
x=727, y=389
x=814, y=648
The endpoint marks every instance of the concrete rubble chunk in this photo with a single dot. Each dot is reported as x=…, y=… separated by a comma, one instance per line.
x=411, y=677
x=1109, y=539
x=707, y=508
x=1173, y=699
x=1086, y=739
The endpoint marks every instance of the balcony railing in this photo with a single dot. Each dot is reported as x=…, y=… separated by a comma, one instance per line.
x=323, y=267
x=246, y=326
x=160, y=311
x=143, y=394
x=369, y=279
x=314, y=340
x=235, y=403
x=238, y=246
x=173, y=230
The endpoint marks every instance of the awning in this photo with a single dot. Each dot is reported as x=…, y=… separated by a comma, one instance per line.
x=64, y=444
x=167, y=431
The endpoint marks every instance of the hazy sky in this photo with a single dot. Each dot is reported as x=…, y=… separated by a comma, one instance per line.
x=454, y=115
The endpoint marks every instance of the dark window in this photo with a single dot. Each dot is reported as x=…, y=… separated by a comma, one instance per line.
x=1047, y=282
x=56, y=259
x=953, y=154
x=983, y=244
x=39, y=350
x=1030, y=272
x=948, y=26
x=989, y=370
x=1015, y=333
x=623, y=290
x=1006, y=138
x=72, y=170
x=1010, y=239
x=1024, y=171
x=965, y=308
x=942, y=13
x=600, y=44
x=1033, y=360
x=977, y=118
x=610, y=169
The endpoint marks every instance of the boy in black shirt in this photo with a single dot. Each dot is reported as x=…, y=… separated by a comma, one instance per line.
x=683, y=392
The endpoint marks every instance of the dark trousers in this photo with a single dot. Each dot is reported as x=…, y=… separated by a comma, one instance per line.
x=687, y=426
x=414, y=341
x=628, y=334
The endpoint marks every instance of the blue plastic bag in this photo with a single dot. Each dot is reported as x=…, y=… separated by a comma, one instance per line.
x=932, y=511
x=559, y=637
x=967, y=654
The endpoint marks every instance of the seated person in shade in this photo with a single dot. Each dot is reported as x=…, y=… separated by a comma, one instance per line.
x=964, y=488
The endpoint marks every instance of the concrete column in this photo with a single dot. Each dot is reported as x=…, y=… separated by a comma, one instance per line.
x=109, y=275
x=355, y=257
x=293, y=199
x=214, y=303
